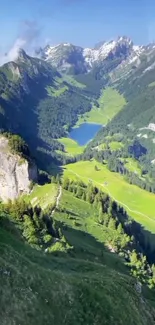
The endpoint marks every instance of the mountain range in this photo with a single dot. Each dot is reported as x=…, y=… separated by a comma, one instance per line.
x=67, y=81
x=77, y=243
x=68, y=57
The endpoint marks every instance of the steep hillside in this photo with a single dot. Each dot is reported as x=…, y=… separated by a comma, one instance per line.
x=86, y=281
x=134, y=125
x=37, y=287
x=37, y=103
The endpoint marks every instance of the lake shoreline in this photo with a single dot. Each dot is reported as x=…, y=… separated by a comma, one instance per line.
x=84, y=133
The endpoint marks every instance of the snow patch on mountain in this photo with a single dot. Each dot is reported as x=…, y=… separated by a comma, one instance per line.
x=90, y=55
x=122, y=48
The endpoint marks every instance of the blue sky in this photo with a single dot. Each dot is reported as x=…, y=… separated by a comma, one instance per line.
x=82, y=22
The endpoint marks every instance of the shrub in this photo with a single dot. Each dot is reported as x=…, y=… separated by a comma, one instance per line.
x=18, y=145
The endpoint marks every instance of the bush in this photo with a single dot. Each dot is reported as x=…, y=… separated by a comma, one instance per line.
x=18, y=145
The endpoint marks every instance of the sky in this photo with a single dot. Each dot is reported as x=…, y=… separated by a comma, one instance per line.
x=33, y=23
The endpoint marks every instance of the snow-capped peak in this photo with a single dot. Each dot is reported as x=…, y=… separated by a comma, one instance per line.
x=92, y=55
x=121, y=48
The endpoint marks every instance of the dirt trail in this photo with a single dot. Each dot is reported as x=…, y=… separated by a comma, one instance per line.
x=58, y=198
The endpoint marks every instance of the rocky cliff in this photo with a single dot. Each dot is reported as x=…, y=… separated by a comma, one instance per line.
x=16, y=173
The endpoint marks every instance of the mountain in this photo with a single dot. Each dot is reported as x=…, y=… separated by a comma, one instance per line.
x=75, y=59
x=133, y=126
x=67, y=245
x=66, y=57
x=39, y=104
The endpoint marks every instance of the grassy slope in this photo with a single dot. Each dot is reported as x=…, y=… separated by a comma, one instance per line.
x=91, y=287
x=70, y=80
x=43, y=195
x=115, y=145
x=71, y=146
x=85, y=233
x=131, y=196
x=132, y=165
x=110, y=103
x=56, y=92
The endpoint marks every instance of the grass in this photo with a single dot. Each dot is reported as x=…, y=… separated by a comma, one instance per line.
x=132, y=165
x=70, y=80
x=56, y=92
x=72, y=147
x=110, y=103
x=101, y=146
x=84, y=233
x=92, y=286
x=38, y=287
x=43, y=195
x=130, y=196
x=152, y=84
x=115, y=145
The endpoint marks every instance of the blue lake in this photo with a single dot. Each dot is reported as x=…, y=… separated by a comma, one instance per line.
x=84, y=133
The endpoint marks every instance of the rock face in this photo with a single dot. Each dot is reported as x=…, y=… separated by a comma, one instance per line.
x=16, y=173
x=69, y=58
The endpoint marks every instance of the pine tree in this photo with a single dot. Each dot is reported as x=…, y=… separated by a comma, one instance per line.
x=66, y=183
x=84, y=196
x=112, y=224
x=120, y=230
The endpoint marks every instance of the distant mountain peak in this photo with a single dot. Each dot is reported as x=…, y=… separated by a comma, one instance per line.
x=68, y=57
x=125, y=39
x=22, y=55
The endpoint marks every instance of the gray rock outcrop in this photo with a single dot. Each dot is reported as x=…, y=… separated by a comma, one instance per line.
x=16, y=173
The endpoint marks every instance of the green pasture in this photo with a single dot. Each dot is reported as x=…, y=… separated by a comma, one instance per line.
x=71, y=146
x=138, y=203
x=110, y=103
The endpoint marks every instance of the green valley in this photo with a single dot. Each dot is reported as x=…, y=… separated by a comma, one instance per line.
x=71, y=147
x=138, y=203
x=77, y=184
x=110, y=103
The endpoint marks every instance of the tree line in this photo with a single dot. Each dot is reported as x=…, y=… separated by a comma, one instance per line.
x=37, y=227
x=126, y=236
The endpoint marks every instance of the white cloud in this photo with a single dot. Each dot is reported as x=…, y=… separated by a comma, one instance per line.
x=28, y=36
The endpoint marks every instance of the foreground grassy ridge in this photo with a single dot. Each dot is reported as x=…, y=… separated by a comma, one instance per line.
x=72, y=147
x=138, y=203
x=43, y=195
x=84, y=232
x=110, y=103
x=43, y=289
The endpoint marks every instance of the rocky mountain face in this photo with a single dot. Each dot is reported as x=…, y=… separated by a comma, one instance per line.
x=16, y=173
x=70, y=58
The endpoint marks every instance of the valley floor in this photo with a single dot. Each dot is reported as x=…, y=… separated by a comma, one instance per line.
x=109, y=104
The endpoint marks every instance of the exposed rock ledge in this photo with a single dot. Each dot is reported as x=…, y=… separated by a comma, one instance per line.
x=16, y=173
